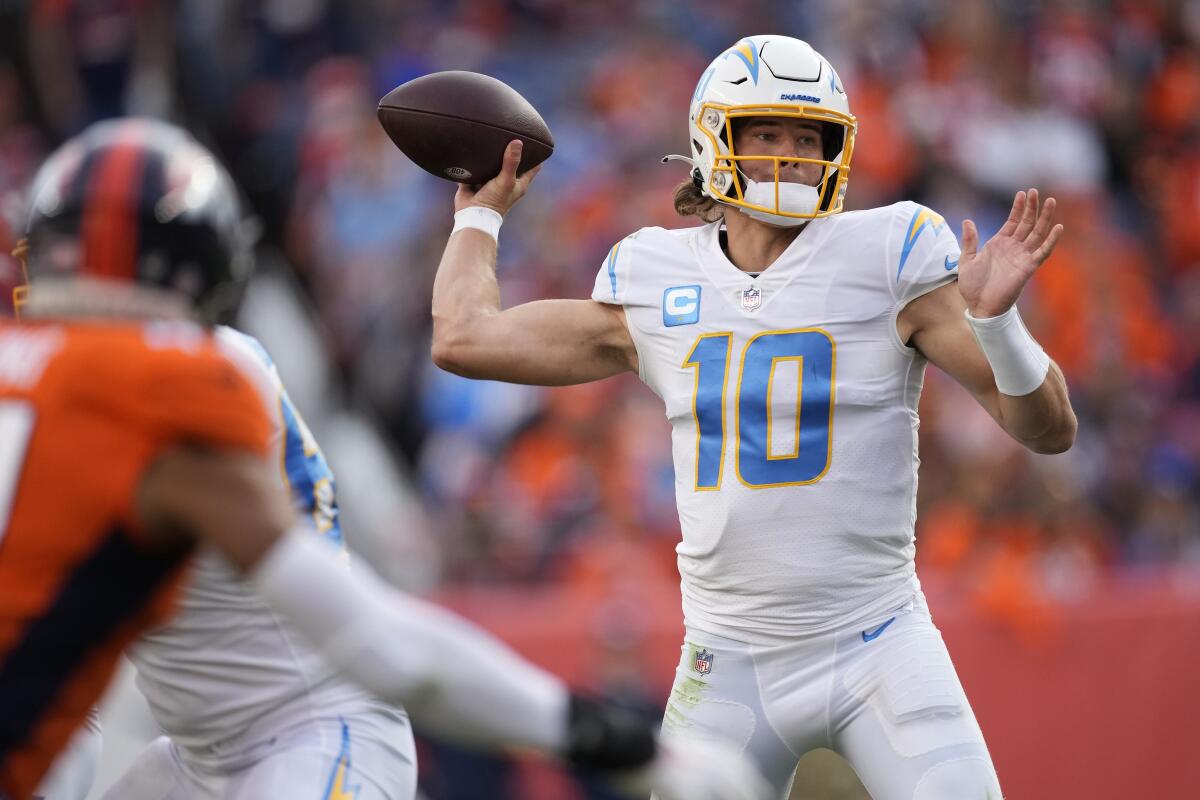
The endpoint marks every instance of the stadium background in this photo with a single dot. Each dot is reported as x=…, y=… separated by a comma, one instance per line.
x=1068, y=587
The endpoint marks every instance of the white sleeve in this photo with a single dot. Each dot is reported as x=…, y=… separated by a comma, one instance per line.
x=924, y=252
x=256, y=365
x=452, y=678
x=612, y=280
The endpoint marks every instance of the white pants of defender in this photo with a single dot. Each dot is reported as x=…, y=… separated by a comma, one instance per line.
x=885, y=696
x=365, y=757
x=74, y=770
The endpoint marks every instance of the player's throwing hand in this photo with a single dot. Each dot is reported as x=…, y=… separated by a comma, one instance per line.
x=503, y=191
x=991, y=279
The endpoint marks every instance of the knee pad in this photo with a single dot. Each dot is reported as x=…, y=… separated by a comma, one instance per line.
x=964, y=778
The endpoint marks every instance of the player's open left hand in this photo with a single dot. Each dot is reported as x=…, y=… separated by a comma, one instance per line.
x=503, y=191
x=991, y=279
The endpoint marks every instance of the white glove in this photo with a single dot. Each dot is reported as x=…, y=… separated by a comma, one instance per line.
x=696, y=770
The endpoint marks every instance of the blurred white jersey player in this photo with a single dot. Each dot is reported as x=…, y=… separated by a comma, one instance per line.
x=248, y=707
x=136, y=246
x=788, y=341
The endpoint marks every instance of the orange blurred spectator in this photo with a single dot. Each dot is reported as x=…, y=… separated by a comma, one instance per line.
x=1173, y=95
x=1092, y=305
x=1009, y=589
x=1178, y=214
x=947, y=535
x=883, y=162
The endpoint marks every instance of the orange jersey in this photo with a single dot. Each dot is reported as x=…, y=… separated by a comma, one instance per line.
x=84, y=409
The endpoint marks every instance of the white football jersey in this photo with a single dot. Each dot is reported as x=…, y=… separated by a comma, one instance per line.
x=793, y=405
x=227, y=670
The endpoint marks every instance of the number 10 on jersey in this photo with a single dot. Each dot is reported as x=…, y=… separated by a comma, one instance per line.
x=811, y=415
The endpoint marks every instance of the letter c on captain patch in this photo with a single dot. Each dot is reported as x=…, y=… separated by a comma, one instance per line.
x=681, y=305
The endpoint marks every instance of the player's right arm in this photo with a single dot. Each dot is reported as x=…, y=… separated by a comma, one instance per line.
x=452, y=677
x=215, y=488
x=546, y=342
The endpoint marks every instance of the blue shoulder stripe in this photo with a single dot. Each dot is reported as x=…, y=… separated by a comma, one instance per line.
x=921, y=219
x=612, y=267
x=305, y=470
x=314, y=491
x=255, y=345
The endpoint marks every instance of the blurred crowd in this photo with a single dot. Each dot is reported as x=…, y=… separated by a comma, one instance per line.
x=960, y=104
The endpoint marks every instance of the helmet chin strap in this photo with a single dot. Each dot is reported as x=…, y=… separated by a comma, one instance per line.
x=20, y=294
x=794, y=198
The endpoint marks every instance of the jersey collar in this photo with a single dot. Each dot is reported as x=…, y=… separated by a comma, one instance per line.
x=733, y=283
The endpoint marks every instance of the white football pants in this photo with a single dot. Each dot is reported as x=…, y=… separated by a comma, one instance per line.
x=367, y=756
x=885, y=696
x=75, y=768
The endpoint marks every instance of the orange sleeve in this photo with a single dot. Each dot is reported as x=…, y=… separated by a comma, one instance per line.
x=202, y=398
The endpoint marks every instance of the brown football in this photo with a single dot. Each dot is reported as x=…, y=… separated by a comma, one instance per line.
x=456, y=125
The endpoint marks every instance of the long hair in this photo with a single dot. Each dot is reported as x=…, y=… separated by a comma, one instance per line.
x=690, y=201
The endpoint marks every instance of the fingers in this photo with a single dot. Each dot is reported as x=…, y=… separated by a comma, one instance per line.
x=1014, y=216
x=502, y=191
x=1043, y=252
x=512, y=160
x=970, y=239
x=1038, y=235
x=1028, y=216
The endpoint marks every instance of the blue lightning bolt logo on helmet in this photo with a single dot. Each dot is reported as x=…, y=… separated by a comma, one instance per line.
x=748, y=53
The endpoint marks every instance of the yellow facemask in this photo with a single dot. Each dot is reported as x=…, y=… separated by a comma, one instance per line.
x=726, y=180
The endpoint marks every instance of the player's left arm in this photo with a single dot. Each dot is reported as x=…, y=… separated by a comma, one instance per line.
x=990, y=353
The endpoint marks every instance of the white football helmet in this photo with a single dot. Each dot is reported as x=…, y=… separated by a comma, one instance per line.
x=771, y=76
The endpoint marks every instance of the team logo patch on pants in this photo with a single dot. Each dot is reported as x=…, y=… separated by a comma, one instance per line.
x=704, y=662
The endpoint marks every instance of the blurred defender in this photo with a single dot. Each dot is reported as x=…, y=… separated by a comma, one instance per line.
x=788, y=342
x=130, y=437
x=247, y=705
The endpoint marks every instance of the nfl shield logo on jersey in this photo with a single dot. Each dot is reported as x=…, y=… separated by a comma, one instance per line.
x=751, y=298
x=704, y=661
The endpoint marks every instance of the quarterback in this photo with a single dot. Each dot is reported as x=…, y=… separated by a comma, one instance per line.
x=788, y=341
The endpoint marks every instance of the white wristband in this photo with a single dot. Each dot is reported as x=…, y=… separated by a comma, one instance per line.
x=482, y=219
x=1018, y=361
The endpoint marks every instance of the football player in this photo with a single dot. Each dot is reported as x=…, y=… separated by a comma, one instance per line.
x=788, y=341
x=129, y=438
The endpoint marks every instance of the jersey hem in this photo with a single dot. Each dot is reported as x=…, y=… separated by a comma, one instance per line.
x=705, y=623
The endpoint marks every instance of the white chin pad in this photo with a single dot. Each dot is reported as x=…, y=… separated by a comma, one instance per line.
x=794, y=198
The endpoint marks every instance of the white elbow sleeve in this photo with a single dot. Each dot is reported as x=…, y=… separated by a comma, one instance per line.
x=1018, y=361
x=451, y=676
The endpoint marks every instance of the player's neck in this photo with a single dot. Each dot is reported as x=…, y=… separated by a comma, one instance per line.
x=752, y=246
x=83, y=298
